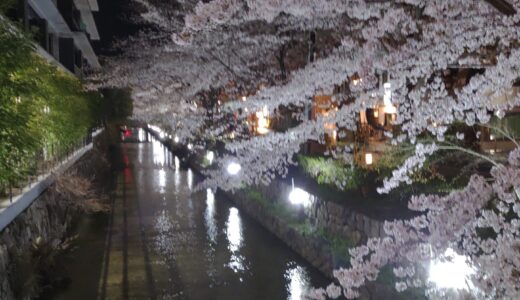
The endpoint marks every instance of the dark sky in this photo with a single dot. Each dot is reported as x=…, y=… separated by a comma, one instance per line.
x=114, y=22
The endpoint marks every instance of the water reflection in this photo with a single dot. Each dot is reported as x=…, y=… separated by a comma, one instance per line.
x=209, y=216
x=298, y=281
x=190, y=179
x=177, y=164
x=235, y=238
x=158, y=153
x=161, y=180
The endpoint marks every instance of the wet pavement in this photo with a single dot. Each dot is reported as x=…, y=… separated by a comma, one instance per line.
x=163, y=240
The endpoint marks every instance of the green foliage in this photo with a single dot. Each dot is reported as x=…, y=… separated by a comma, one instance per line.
x=7, y=5
x=331, y=171
x=338, y=245
x=42, y=109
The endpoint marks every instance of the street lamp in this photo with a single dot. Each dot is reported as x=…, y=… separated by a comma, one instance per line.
x=210, y=156
x=233, y=168
x=298, y=196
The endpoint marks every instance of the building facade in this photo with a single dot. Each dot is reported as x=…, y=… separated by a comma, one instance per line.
x=63, y=31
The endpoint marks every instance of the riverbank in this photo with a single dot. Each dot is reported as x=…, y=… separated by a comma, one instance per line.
x=31, y=245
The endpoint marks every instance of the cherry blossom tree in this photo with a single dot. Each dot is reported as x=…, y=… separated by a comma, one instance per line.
x=282, y=53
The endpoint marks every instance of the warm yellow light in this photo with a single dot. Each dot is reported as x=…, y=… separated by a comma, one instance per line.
x=262, y=124
x=244, y=98
x=492, y=137
x=376, y=113
x=369, y=159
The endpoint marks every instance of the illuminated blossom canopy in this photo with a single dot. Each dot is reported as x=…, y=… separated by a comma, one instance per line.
x=281, y=53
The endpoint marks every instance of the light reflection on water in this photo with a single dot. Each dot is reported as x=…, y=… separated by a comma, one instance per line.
x=235, y=238
x=188, y=244
x=298, y=281
x=158, y=152
x=209, y=216
x=190, y=179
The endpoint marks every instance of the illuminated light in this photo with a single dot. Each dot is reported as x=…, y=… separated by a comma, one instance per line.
x=232, y=135
x=190, y=146
x=334, y=134
x=369, y=159
x=233, y=168
x=452, y=272
x=492, y=151
x=492, y=137
x=262, y=121
x=387, y=96
x=46, y=109
x=390, y=109
x=434, y=124
x=210, y=156
x=244, y=98
x=376, y=113
x=18, y=99
x=219, y=103
x=355, y=81
x=176, y=139
x=245, y=109
x=299, y=196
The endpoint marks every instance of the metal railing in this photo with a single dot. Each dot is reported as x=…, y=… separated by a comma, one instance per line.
x=43, y=165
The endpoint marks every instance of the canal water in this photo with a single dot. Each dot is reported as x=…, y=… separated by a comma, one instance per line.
x=163, y=240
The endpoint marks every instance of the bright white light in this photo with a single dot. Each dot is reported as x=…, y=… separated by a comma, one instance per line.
x=387, y=97
x=452, y=273
x=299, y=282
x=300, y=197
x=190, y=146
x=210, y=156
x=369, y=159
x=244, y=98
x=190, y=179
x=233, y=168
x=235, y=238
x=176, y=139
x=492, y=137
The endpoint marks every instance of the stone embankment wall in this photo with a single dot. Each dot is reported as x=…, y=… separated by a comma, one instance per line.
x=48, y=218
x=332, y=218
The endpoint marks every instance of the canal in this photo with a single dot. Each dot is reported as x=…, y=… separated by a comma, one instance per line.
x=163, y=240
